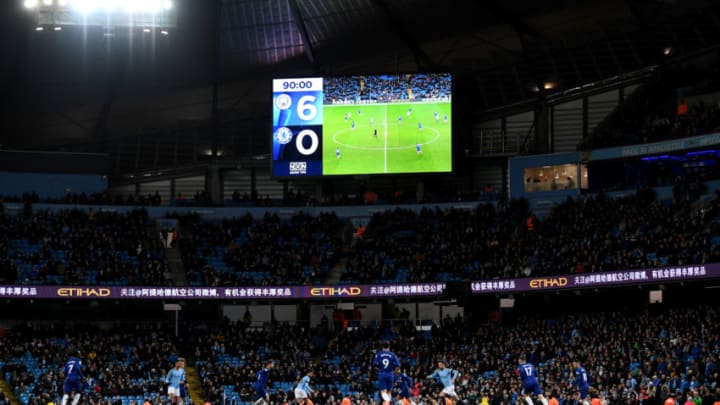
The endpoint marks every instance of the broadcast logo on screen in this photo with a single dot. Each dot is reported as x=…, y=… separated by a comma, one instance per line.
x=297, y=167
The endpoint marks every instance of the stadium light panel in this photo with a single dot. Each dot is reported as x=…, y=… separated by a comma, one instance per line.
x=39, y=28
x=146, y=30
x=62, y=3
x=57, y=29
x=48, y=2
x=168, y=5
x=667, y=51
x=30, y=3
x=164, y=32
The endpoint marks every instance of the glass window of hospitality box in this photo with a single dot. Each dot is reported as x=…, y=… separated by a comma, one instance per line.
x=553, y=178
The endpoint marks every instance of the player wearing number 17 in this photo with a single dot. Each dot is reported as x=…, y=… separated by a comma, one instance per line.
x=531, y=385
x=386, y=361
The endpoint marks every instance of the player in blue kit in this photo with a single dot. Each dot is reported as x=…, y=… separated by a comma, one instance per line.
x=261, y=392
x=409, y=111
x=447, y=377
x=419, y=126
x=303, y=389
x=582, y=382
x=399, y=119
x=175, y=378
x=352, y=125
x=445, y=118
x=418, y=149
x=73, y=377
x=404, y=383
x=337, y=153
x=386, y=361
x=530, y=383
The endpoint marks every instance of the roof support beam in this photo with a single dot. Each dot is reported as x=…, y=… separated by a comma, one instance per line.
x=300, y=23
x=422, y=60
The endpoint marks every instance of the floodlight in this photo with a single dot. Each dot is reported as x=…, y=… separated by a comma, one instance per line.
x=57, y=29
x=164, y=32
x=146, y=30
x=39, y=28
x=30, y=3
x=48, y=2
x=62, y=3
x=168, y=5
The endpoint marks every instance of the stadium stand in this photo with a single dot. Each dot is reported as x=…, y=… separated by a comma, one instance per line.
x=653, y=355
x=80, y=248
x=267, y=251
x=589, y=234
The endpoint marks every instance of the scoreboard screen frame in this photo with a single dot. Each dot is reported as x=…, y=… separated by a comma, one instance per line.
x=298, y=112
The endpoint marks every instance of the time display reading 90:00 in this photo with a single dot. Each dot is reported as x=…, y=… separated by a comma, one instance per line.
x=299, y=84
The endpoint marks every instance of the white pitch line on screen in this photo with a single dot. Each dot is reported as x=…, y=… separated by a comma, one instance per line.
x=386, y=136
x=385, y=148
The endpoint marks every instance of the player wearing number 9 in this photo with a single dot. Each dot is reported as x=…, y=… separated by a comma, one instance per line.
x=386, y=361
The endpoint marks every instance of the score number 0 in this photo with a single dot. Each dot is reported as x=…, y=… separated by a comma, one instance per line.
x=307, y=111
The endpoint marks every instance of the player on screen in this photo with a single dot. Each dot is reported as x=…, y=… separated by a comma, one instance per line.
x=447, y=377
x=529, y=377
x=352, y=125
x=419, y=126
x=303, y=389
x=337, y=152
x=372, y=120
x=409, y=112
x=418, y=149
x=346, y=116
x=404, y=383
x=359, y=112
x=582, y=382
x=175, y=378
x=261, y=392
x=375, y=133
x=399, y=119
x=73, y=377
x=437, y=117
x=386, y=361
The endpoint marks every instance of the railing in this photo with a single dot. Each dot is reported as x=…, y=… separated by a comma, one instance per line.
x=495, y=141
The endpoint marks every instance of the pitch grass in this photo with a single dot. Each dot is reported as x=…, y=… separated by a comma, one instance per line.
x=394, y=148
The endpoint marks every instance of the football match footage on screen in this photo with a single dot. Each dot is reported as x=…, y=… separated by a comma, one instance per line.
x=362, y=125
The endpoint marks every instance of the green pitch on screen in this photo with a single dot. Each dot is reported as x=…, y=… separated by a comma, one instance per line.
x=393, y=150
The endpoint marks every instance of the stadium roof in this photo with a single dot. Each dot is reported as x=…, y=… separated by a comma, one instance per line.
x=79, y=89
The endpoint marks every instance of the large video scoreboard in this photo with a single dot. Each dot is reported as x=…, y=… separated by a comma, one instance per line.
x=362, y=125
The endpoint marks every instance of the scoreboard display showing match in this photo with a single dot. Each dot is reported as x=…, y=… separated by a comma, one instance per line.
x=362, y=125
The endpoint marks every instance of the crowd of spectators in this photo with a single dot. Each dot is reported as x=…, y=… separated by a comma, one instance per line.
x=80, y=248
x=123, y=362
x=631, y=358
x=104, y=198
x=268, y=251
x=387, y=88
x=588, y=234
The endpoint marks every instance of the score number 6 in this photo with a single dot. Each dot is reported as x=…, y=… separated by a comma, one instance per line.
x=306, y=109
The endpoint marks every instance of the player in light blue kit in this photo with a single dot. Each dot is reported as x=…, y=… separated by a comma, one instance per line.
x=418, y=149
x=175, y=378
x=437, y=117
x=352, y=125
x=530, y=383
x=447, y=377
x=582, y=382
x=445, y=118
x=386, y=361
x=337, y=153
x=419, y=126
x=263, y=375
x=303, y=389
x=73, y=377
